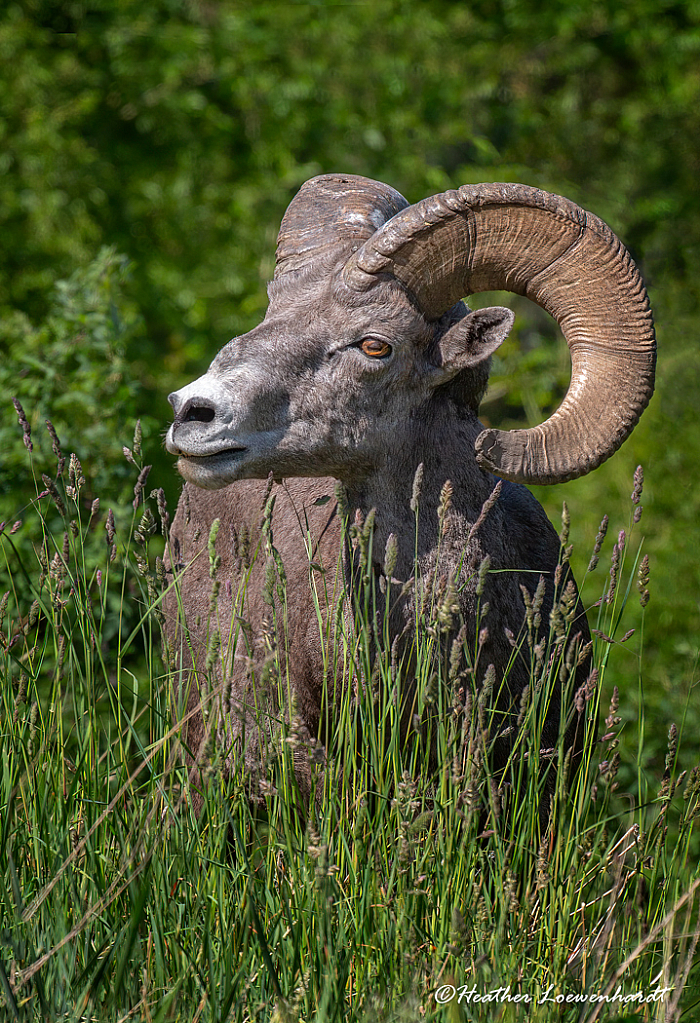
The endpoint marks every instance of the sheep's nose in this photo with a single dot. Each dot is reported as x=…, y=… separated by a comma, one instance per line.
x=196, y=410
x=192, y=410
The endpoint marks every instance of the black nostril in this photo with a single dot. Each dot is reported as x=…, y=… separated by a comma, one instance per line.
x=194, y=413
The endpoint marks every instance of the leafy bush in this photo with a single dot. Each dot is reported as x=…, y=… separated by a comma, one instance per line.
x=73, y=369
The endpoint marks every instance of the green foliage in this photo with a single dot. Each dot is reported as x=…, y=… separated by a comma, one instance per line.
x=178, y=131
x=73, y=370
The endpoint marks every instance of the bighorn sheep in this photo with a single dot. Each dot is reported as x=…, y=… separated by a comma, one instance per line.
x=367, y=365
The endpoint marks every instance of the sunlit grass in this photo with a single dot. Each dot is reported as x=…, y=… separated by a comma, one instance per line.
x=392, y=886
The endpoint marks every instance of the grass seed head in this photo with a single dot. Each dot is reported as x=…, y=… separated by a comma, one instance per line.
x=55, y=495
x=137, y=439
x=691, y=793
x=146, y=527
x=569, y=602
x=139, y=485
x=391, y=553
x=448, y=607
x=484, y=568
x=212, y=651
x=600, y=536
x=565, y=525
x=26, y=430
x=445, y=503
x=214, y=558
x=556, y=622
x=643, y=581
x=56, y=448
x=524, y=703
x=75, y=473
x=341, y=496
x=672, y=750
x=163, y=514
x=614, y=570
x=417, y=486
x=638, y=485
x=456, y=652
x=612, y=720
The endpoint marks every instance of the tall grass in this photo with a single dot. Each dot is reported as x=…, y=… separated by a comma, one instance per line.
x=395, y=891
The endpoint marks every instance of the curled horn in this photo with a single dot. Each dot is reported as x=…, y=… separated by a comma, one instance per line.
x=520, y=239
x=331, y=216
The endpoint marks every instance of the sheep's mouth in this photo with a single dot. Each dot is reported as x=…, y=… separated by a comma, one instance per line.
x=212, y=471
x=214, y=457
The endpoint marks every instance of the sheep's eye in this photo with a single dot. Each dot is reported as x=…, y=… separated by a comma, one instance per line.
x=375, y=347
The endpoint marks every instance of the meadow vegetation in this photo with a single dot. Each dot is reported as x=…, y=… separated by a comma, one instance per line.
x=396, y=888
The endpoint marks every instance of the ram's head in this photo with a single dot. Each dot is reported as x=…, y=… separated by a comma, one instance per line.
x=366, y=326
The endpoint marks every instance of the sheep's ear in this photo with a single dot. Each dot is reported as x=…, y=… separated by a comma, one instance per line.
x=473, y=338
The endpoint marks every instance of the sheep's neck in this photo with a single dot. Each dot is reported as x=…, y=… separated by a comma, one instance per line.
x=446, y=454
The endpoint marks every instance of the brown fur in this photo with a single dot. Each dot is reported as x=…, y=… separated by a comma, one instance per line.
x=298, y=399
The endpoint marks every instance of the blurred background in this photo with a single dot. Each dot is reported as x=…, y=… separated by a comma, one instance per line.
x=149, y=150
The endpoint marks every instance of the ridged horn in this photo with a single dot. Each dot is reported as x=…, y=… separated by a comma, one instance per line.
x=331, y=216
x=516, y=238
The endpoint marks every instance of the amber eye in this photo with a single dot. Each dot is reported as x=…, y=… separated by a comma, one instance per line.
x=375, y=347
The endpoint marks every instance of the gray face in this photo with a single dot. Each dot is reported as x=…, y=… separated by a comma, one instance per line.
x=320, y=385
